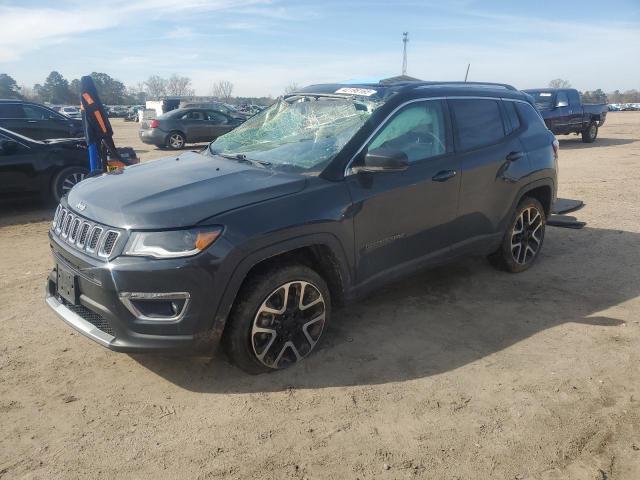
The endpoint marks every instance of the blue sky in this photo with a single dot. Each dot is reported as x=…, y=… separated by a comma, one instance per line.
x=264, y=45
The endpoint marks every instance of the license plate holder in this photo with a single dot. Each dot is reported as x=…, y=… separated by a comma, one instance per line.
x=67, y=285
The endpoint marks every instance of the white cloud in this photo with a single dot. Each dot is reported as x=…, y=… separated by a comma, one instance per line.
x=27, y=29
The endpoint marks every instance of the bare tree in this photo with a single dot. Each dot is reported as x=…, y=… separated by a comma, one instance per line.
x=156, y=86
x=292, y=87
x=559, y=83
x=222, y=90
x=179, y=86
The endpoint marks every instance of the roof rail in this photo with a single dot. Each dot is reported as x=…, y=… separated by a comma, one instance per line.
x=468, y=84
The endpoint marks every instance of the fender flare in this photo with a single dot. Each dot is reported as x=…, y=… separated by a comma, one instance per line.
x=245, y=265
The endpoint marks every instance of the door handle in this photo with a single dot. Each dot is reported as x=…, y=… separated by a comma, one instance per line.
x=444, y=175
x=32, y=121
x=513, y=156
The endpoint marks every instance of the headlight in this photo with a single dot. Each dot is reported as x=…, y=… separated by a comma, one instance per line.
x=171, y=244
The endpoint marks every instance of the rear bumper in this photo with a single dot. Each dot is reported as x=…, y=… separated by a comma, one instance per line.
x=153, y=136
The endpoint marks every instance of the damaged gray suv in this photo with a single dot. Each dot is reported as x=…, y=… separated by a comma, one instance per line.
x=328, y=194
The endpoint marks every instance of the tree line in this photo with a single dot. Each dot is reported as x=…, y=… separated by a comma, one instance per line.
x=57, y=90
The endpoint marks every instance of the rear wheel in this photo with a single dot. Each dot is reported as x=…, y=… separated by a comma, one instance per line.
x=278, y=319
x=590, y=134
x=522, y=243
x=175, y=140
x=66, y=179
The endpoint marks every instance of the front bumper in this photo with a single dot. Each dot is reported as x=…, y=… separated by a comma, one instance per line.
x=100, y=315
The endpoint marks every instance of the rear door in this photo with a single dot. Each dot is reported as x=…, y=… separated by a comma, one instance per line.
x=405, y=218
x=194, y=126
x=491, y=160
x=218, y=124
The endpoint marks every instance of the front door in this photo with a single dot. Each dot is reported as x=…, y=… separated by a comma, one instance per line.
x=218, y=124
x=404, y=218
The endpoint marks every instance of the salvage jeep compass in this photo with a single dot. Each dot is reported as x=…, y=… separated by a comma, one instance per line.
x=329, y=193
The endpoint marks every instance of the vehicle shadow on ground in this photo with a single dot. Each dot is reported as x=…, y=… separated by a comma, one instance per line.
x=19, y=210
x=444, y=318
x=577, y=143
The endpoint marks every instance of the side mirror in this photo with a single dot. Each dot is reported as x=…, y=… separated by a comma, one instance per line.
x=384, y=160
x=562, y=103
x=7, y=147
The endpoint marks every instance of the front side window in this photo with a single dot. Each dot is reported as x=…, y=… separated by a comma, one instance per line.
x=217, y=117
x=298, y=133
x=562, y=99
x=478, y=123
x=418, y=130
x=36, y=113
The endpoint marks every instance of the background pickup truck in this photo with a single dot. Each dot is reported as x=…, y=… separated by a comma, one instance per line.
x=564, y=113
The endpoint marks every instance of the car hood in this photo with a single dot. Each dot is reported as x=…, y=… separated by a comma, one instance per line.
x=176, y=192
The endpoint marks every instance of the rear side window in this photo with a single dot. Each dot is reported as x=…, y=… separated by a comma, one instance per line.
x=562, y=99
x=478, y=123
x=11, y=110
x=530, y=117
x=513, y=123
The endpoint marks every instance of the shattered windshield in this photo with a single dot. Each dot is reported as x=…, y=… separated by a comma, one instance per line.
x=300, y=132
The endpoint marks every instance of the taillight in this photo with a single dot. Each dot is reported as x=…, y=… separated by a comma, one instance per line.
x=154, y=124
x=556, y=148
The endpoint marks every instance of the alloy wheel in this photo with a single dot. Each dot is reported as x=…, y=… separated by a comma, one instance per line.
x=288, y=324
x=176, y=140
x=71, y=181
x=527, y=235
x=593, y=131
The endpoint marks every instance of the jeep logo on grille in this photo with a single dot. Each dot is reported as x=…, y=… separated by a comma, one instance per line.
x=81, y=206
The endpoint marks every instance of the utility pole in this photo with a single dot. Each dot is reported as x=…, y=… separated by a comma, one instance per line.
x=405, y=39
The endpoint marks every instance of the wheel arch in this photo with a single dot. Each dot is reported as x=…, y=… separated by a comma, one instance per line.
x=175, y=130
x=321, y=252
x=542, y=190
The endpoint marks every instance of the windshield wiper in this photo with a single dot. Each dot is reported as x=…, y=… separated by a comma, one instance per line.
x=241, y=157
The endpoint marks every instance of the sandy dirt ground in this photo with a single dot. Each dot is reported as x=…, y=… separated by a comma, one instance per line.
x=462, y=372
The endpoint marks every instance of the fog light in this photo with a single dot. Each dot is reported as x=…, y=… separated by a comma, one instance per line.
x=156, y=306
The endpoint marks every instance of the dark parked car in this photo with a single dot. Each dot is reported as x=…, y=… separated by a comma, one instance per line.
x=564, y=113
x=49, y=167
x=37, y=121
x=178, y=127
x=326, y=195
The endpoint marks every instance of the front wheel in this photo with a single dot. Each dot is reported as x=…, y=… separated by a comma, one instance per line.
x=278, y=319
x=590, y=134
x=522, y=243
x=66, y=179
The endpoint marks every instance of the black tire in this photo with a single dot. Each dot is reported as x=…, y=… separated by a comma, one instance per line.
x=65, y=180
x=590, y=133
x=175, y=140
x=516, y=259
x=262, y=351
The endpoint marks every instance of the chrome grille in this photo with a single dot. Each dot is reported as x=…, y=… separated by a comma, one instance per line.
x=93, y=241
x=109, y=242
x=84, y=235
